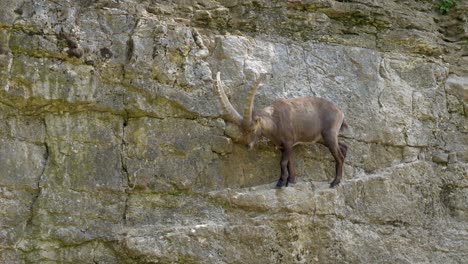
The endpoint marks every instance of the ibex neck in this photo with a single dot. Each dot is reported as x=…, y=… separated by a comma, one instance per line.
x=267, y=123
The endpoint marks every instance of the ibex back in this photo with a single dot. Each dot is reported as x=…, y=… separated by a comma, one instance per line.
x=288, y=122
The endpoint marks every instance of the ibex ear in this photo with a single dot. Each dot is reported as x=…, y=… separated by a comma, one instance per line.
x=256, y=123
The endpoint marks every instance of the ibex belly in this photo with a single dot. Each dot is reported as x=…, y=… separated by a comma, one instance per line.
x=307, y=130
x=311, y=140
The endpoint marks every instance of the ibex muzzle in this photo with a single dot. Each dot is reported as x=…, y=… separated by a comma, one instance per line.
x=288, y=122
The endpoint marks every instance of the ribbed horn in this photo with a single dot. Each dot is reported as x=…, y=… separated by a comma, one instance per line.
x=247, y=120
x=230, y=112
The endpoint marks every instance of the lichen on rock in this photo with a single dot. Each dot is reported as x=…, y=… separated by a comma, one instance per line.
x=119, y=153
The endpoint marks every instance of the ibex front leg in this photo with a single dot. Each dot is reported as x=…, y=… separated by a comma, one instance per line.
x=287, y=170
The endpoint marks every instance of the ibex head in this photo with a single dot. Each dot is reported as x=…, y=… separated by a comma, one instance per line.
x=250, y=124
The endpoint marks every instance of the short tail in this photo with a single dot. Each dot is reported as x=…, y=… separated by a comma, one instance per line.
x=344, y=127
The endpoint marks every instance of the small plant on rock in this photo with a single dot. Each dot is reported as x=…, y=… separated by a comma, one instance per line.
x=446, y=5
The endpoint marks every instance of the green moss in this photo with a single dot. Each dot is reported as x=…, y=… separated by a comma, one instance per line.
x=25, y=28
x=159, y=75
x=20, y=27
x=160, y=107
x=446, y=5
x=175, y=57
x=41, y=54
x=177, y=192
x=174, y=108
x=223, y=203
x=111, y=73
x=28, y=42
x=361, y=20
x=21, y=84
x=38, y=104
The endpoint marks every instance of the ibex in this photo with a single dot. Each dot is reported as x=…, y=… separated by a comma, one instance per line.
x=288, y=122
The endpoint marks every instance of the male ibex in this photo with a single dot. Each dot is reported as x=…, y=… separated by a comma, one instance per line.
x=288, y=122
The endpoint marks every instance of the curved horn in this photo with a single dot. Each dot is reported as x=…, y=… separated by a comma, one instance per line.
x=247, y=120
x=229, y=110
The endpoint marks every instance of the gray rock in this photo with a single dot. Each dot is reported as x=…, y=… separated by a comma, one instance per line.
x=440, y=157
x=121, y=155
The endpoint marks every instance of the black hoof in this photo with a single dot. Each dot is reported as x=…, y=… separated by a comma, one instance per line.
x=280, y=184
x=290, y=183
x=333, y=184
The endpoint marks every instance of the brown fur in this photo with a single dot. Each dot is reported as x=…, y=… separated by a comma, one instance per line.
x=288, y=122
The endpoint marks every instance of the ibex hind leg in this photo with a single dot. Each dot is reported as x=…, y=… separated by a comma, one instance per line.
x=286, y=154
x=291, y=176
x=343, y=149
x=336, y=149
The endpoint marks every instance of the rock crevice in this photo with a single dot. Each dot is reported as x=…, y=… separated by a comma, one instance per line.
x=120, y=155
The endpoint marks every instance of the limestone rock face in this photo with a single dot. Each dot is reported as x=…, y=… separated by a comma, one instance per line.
x=113, y=149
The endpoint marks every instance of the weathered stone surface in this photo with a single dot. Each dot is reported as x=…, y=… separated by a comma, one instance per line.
x=121, y=155
x=22, y=163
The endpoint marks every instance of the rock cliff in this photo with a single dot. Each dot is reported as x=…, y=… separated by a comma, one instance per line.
x=113, y=149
